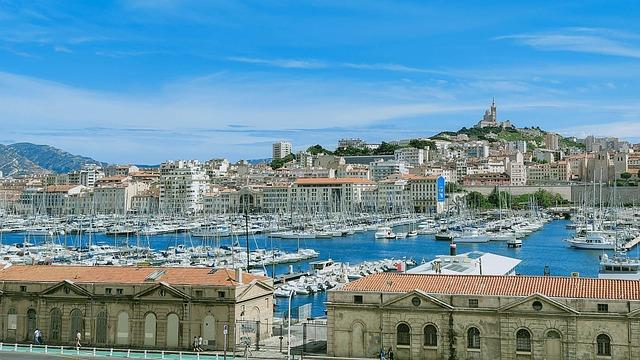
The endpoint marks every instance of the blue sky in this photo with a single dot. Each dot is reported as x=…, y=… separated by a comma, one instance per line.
x=144, y=81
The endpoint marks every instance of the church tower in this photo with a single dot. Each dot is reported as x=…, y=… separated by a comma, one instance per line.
x=494, y=115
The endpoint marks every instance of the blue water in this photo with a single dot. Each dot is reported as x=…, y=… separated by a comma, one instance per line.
x=540, y=249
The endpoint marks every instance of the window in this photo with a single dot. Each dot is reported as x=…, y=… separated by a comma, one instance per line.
x=357, y=299
x=473, y=338
x=119, y=291
x=199, y=293
x=604, y=345
x=403, y=334
x=430, y=336
x=603, y=308
x=108, y=291
x=473, y=303
x=23, y=288
x=221, y=294
x=523, y=340
x=537, y=305
x=162, y=292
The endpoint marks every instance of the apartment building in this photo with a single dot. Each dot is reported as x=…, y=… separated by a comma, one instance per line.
x=182, y=185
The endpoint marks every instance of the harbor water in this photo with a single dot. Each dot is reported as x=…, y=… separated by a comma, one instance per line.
x=544, y=248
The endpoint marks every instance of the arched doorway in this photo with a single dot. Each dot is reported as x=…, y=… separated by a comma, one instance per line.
x=77, y=324
x=31, y=324
x=55, y=325
x=173, y=324
x=122, y=329
x=357, y=340
x=553, y=345
x=150, y=329
x=209, y=329
x=101, y=327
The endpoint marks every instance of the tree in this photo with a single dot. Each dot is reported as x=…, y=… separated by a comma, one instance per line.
x=625, y=176
x=386, y=148
x=422, y=144
x=278, y=163
x=477, y=200
x=452, y=187
x=317, y=149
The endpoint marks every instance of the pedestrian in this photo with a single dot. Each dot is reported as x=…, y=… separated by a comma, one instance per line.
x=390, y=354
x=36, y=336
x=78, y=338
x=40, y=342
x=382, y=354
x=200, y=340
x=195, y=344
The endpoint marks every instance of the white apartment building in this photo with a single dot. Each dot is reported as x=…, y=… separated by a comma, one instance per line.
x=517, y=173
x=517, y=145
x=281, y=149
x=54, y=200
x=412, y=156
x=393, y=196
x=329, y=195
x=87, y=176
x=382, y=169
x=182, y=185
x=550, y=172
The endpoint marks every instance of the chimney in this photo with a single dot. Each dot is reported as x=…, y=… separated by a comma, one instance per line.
x=452, y=249
x=239, y=275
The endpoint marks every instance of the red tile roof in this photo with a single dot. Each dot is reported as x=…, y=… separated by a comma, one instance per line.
x=564, y=287
x=124, y=275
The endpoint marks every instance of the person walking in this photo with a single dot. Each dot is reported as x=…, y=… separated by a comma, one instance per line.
x=390, y=354
x=200, y=341
x=78, y=338
x=36, y=336
x=195, y=344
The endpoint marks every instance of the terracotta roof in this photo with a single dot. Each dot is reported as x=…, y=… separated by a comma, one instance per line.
x=331, y=181
x=124, y=275
x=565, y=287
x=60, y=188
x=112, y=178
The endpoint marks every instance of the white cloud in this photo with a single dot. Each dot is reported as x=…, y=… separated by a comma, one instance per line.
x=584, y=40
x=281, y=63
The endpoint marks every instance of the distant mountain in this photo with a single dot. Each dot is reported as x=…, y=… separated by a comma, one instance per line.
x=33, y=158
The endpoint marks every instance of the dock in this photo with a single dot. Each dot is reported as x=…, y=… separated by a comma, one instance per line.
x=629, y=245
x=283, y=279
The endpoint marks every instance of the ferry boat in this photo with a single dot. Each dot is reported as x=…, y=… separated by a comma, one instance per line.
x=619, y=266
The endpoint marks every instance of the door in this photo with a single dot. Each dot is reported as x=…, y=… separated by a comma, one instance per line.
x=209, y=330
x=553, y=346
x=101, y=328
x=357, y=340
x=31, y=324
x=173, y=324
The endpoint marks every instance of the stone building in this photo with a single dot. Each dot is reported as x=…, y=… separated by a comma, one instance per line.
x=134, y=307
x=485, y=317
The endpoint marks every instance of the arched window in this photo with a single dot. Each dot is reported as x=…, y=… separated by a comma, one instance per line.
x=523, y=340
x=473, y=338
x=101, y=327
x=55, y=325
x=604, y=345
x=430, y=336
x=403, y=334
x=77, y=323
x=31, y=323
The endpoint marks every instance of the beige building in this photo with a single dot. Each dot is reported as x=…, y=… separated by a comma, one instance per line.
x=140, y=307
x=549, y=173
x=182, y=186
x=330, y=195
x=485, y=317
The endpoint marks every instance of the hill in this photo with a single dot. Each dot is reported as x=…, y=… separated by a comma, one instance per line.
x=28, y=158
x=533, y=136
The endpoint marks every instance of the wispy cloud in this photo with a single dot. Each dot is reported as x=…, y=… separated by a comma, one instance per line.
x=281, y=63
x=62, y=49
x=317, y=64
x=622, y=129
x=584, y=40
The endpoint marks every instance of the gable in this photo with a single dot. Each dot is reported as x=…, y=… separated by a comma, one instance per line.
x=549, y=306
x=66, y=289
x=426, y=301
x=256, y=289
x=162, y=292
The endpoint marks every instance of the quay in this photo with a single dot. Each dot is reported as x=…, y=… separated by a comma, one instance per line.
x=629, y=245
x=283, y=279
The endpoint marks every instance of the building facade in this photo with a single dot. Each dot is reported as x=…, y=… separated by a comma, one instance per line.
x=134, y=307
x=281, y=149
x=485, y=317
x=182, y=185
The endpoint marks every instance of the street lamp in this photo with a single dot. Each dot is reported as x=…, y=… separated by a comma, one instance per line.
x=289, y=327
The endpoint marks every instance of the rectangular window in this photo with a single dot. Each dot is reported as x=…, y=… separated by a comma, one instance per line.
x=199, y=293
x=473, y=303
x=23, y=288
x=119, y=291
x=357, y=299
x=603, y=308
x=107, y=291
x=221, y=294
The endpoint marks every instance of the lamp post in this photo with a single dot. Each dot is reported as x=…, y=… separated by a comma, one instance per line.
x=289, y=327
